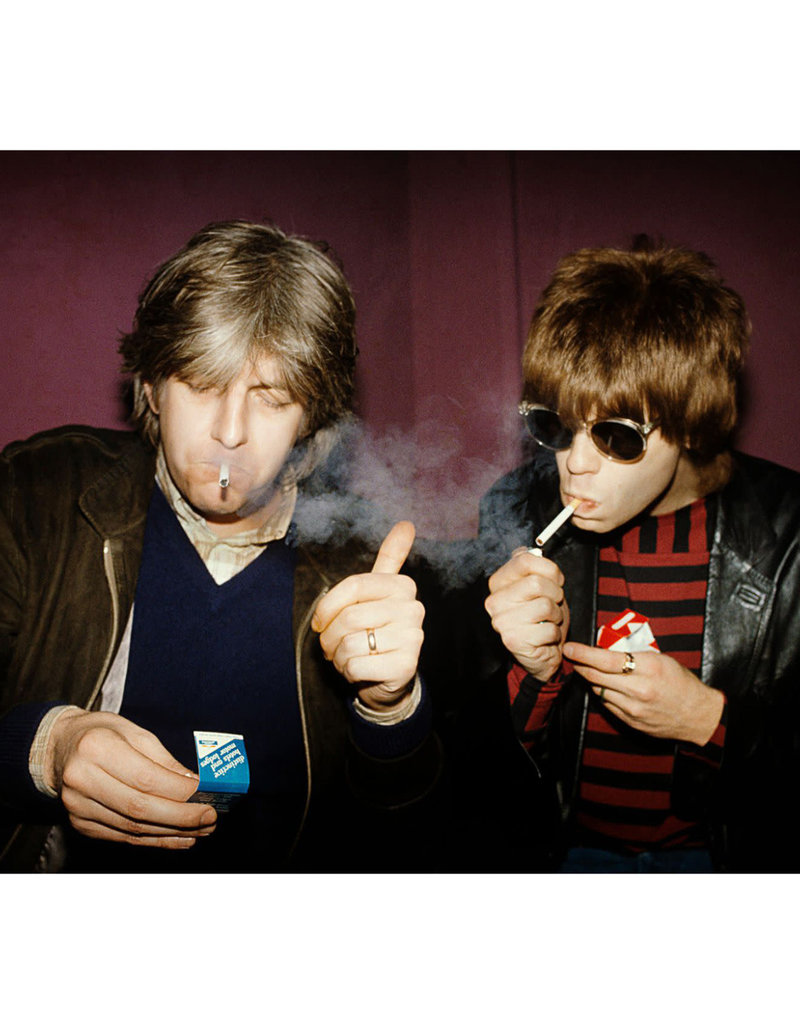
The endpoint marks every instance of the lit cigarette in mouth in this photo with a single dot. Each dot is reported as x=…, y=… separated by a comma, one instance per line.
x=553, y=525
x=224, y=475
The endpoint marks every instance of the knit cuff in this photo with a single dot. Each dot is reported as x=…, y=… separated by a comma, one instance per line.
x=392, y=716
x=388, y=741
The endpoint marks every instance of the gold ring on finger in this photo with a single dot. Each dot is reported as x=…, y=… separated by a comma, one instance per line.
x=372, y=643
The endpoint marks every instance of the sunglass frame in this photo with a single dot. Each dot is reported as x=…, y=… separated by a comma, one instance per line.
x=642, y=430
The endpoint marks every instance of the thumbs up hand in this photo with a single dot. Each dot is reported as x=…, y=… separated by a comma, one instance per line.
x=370, y=624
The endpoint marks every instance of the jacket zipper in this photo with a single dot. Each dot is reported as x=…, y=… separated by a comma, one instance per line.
x=567, y=808
x=298, y=652
x=111, y=579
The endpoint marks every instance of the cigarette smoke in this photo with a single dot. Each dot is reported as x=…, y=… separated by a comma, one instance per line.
x=371, y=481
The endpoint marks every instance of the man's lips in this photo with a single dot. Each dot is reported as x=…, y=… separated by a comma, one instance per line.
x=586, y=504
x=211, y=468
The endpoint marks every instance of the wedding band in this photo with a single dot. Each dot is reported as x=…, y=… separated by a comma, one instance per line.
x=602, y=692
x=630, y=663
x=372, y=643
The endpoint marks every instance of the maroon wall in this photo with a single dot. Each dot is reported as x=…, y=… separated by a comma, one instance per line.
x=446, y=253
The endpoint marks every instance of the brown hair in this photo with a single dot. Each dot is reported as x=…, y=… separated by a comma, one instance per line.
x=236, y=292
x=648, y=334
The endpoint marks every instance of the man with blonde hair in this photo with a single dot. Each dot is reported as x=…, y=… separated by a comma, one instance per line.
x=156, y=585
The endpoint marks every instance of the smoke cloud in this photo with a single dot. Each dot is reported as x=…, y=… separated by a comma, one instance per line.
x=371, y=481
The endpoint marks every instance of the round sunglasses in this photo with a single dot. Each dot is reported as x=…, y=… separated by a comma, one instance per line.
x=618, y=439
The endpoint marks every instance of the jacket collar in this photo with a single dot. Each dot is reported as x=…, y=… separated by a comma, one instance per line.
x=117, y=500
x=742, y=522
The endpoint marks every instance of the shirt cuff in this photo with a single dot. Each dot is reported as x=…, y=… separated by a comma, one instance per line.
x=392, y=716
x=36, y=757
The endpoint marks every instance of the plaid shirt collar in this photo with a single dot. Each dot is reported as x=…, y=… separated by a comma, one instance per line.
x=225, y=556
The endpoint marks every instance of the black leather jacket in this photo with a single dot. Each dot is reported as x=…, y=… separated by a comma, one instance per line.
x=751, y=652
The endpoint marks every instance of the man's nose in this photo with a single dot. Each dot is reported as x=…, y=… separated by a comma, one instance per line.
x=230, y=420
x=582, y=456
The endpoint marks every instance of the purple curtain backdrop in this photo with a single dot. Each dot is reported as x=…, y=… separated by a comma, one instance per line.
x=446, y=253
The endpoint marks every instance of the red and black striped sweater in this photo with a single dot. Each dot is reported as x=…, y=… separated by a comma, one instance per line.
x=659, y=568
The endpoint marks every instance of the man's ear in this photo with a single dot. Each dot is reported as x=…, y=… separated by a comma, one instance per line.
x=149, y=392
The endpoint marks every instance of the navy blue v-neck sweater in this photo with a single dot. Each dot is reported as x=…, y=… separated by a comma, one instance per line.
x=220, y=657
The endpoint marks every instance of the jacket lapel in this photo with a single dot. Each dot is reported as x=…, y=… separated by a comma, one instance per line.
x=741, y=589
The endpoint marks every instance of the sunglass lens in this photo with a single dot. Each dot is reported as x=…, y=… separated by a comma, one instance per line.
x=618, y=440
x=545, y=426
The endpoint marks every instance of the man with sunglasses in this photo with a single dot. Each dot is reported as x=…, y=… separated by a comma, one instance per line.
x=654, y=640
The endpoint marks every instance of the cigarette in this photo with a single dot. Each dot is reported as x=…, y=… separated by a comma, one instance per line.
x=555, y=524
x=224, y=475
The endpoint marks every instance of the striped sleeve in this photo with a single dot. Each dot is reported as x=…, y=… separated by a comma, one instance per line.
x=532, y=702
x=711, y=753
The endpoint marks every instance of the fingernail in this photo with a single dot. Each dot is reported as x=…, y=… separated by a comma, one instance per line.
x=209, y=817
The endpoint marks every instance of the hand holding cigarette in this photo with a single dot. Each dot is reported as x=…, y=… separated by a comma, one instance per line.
x=370, y=624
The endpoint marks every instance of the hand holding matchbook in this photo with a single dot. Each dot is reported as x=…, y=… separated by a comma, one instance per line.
x=527, y=607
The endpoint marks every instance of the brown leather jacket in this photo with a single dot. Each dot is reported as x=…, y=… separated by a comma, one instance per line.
x=73, y=504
